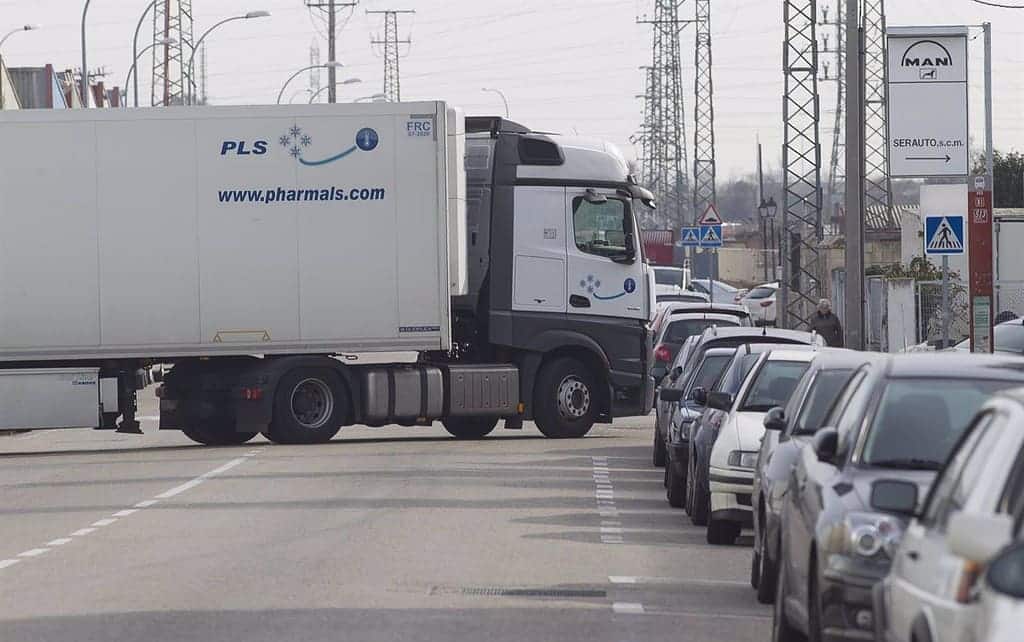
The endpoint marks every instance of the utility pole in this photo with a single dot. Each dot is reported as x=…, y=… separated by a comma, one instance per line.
x=392, y=75
x=877, y=186
x=331, y=8
x=665, y=168
x=172, y=22
x=202, y=74
x=704, y=194
x=837, y=164
x=314, y=72
x=854, y=291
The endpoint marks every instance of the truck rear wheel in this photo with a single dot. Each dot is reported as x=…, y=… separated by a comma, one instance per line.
x=470, y=427
x=212, y=435
x=565, y=399
x=310, y=405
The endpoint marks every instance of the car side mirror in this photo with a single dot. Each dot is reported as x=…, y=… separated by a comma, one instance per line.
x=775, y=419
x=671, y=395
x=699, y=395
x=676, y=372
x=894, y=496
x=826, y=444
x=719, y=401
x=977, y=537
x=1006, y=572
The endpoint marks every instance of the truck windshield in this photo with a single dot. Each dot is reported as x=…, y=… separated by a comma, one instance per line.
x=601, y=228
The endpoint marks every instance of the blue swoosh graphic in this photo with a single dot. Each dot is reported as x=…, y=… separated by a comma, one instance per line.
x=331, y=159
x=609, y=298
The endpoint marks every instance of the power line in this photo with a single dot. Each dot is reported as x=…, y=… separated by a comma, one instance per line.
x=392, y=75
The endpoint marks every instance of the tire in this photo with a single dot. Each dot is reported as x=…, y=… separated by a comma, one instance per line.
x=565, y=399
x=310, y=406
x=813, y=605
x=768, y=572
x=755, y=569
x=676, y=491
x=782, y=629
x=210, y=435
x=659, y=456
x=701, y=508
x=688, y=484
x=469, y=428
x=722, y=532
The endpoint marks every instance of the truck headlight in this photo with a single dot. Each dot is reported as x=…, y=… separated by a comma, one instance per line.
x=742, y=459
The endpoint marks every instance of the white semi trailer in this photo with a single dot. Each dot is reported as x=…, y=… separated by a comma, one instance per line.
x=251, y=247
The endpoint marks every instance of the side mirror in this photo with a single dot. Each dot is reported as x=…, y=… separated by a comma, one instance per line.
x=719, y=401
x=826, y=444
x=1006, y=572
x=894, y=496
x=978, y=537
x=671, y=395
x=699, y=395
x=775, y=419
x=676, y=372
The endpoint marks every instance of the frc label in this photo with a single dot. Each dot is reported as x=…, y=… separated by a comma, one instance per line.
x=420, y=127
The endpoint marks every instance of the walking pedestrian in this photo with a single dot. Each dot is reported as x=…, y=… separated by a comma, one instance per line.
x=827, y=324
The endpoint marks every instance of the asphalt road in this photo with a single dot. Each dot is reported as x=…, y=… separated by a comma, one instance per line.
x=383, y=534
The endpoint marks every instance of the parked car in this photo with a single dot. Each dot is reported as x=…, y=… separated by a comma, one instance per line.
x=681, y=297
x=787, y=430
x=761, y=302
x=970, y=514
x=849, y=493
x=669, y=280
x=665, y=311
x=1007, y=337
x=1000, y=599
x=718, y=291
x=697, y=439
x=734, y=453
x=684, y=320
x=689, y=399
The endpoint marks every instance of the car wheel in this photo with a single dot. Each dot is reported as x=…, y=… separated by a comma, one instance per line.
x=701, y=494
x=658, y=458
x=755, y=569
x=566, y=405
x=813, y=604
x=782, y=629
x=688, y=483
x=722, y=532
x=675, y=491
x=768, y=571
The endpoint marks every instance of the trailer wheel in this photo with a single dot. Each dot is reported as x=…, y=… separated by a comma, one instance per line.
x=565, y=399
x=310, y=406
x=211, y=435
x=470, y=427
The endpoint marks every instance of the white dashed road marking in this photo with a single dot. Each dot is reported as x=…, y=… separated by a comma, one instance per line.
x=628, y=607
x=604, y=494
x=107, y=521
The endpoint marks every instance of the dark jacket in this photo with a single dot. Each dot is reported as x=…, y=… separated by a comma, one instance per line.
x=828, y=326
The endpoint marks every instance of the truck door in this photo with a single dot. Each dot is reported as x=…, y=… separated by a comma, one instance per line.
x=605, y=267
x=539, y=270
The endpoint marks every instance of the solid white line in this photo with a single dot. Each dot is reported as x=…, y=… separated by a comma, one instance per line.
x=104, y=522
x=83, y=531
x=611, y=530
x=628, y=607
x=126, y=512
x=147, y=503
x=7, y=563
x=59, y=542
x=177, y=490
x=223, y=469
x=682, y=581
x=622, y=579
x=33, y=552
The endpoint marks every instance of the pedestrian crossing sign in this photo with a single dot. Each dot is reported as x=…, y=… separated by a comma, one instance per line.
x=944, y=235
x=711, y=236
x=690, y=237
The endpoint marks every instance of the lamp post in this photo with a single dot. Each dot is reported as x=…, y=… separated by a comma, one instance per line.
x=768, y=209
x=503, y=98
x=135, y=48
x=347, y=81
x=2, y=41
x=373, y=98
x=163, y=42
x=330, y=64
x=85, y=63
x=195, y=48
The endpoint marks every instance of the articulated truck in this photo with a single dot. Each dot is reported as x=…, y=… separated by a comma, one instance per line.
x=248, y=252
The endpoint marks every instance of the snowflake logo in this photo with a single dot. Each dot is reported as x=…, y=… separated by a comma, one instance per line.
x=590, y=284
x=295, y=131
x=285, y=140
x=295, y=151
x=306, y=140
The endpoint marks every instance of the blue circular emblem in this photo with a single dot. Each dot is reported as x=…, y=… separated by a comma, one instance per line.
x=367, y=139
x=629, y=286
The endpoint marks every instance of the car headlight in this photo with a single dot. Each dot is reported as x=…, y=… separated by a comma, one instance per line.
x=742, y=459
x=870, y=535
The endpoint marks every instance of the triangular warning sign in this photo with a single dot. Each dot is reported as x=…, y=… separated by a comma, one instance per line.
x=710, y=216
x=711, y=236
x=690, y=236
x=945, y=238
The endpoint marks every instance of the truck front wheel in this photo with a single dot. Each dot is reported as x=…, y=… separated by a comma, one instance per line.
x=565, y=399
x=209, y=434
x=470, y=427
x=310, y=406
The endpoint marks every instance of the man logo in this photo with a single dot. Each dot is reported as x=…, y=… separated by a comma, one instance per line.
x=927, y=54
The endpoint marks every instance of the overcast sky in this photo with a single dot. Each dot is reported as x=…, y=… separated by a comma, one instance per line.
x=565, y=65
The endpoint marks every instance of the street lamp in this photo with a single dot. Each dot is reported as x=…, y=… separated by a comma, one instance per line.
x=2, y=41
x=373, y=98
x=347, y=81
x=85, y=64
x=135, y=48
x=195, y=48
x=768, y=209
x=330, y=64
x=503, y=98
x=163, y=42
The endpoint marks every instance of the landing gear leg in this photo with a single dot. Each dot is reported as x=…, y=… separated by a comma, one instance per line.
x=127, y=401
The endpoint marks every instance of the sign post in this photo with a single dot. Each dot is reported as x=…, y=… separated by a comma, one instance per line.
x=710, y=226
x=944, y=235
x=980, y=263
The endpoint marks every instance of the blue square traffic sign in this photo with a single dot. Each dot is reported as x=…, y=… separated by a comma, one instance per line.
x=711, y=236
x=944, y=235
x=690, y=237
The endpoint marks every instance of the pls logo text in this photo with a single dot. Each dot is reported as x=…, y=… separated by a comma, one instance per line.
x=297, y=143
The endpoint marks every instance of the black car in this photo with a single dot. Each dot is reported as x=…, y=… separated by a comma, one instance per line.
x=697, y=439
x=788, y=430
x=849, y=493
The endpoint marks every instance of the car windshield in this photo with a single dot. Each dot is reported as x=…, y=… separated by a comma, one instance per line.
x=761, y=292
x=710, y=370
x=920, y=420
x=668, y=276
x=822, y=394
x=772, y=385
x=737, y=371
x=680, y=330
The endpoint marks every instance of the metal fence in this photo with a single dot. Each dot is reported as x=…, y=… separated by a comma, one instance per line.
x=930, y=315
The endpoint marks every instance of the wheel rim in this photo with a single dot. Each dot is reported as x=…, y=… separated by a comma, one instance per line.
x=573, y=398
x=312, y=403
